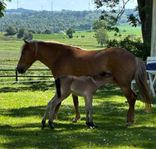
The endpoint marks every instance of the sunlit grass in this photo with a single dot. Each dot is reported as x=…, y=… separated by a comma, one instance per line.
x=22, y=107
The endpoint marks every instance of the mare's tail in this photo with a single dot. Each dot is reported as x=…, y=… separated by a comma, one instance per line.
x=141, y=80
x=58, y=87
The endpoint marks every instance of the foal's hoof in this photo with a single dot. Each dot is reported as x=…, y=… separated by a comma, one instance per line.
x=43, y=124
x=51, y=124
x=90, y=124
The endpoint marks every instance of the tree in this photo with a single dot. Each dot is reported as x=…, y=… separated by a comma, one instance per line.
x=145, y=17
x=10, y=31
x=28, y=36
x=20, y=33
x=70, y=32
x=47, y=31
x=2, y=7
x=101, y=36
x=99, y=24
x=145, y=13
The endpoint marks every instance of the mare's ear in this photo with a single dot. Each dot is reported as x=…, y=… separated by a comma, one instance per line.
x=26, y=41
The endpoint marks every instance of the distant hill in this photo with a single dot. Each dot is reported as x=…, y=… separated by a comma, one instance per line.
x=56, y=21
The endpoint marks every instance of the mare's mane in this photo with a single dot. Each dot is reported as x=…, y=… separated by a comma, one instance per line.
x=58, y=44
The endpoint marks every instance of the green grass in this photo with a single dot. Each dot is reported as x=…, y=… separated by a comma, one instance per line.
x=22, y=107
x=82, y=39
x=128, y=30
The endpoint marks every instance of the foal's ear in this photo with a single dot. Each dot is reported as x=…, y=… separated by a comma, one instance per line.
x=26, y=41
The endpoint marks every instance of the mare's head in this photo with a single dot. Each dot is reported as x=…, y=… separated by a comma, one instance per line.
x=28, y=56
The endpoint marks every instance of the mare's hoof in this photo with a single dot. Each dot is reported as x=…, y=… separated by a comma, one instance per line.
x=129, y=124
x=51, y=124
x=74, y=120
x=90, y=124
x=43, y=124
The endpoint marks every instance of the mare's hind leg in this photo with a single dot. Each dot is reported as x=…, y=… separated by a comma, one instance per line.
x=76, y=106
x=131, y=98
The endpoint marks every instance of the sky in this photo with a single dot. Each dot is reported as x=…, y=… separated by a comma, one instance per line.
x=57, y=4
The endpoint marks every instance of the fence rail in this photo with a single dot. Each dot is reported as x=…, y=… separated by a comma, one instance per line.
x=17, y=76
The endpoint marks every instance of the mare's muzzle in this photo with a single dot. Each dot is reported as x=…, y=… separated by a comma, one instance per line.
x=20, y=69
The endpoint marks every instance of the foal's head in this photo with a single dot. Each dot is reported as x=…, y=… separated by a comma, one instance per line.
x=28, y=56
x=103, y=78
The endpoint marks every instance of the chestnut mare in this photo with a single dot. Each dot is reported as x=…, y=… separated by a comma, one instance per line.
x=64, y=60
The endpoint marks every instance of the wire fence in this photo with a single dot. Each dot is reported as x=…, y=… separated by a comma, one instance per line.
x=10, y=75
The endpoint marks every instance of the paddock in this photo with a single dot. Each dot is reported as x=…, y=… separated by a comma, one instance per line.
x=22, y=106
x=20, y=120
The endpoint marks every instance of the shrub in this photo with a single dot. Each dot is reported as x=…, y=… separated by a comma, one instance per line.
x=47, y=31
x=11, y=31
x=101, y=36
x=20, y=33
x=134, y=45
x=70, y=32
x=28, y=36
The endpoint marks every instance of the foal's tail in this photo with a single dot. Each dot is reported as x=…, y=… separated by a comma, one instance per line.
x=58, y=87
x=141, y=80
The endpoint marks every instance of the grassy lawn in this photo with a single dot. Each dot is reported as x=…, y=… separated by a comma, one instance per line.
x=22, y=107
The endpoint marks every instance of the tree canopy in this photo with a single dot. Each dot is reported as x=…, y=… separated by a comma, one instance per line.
x=145, y=17
x=56, y=21
x=2, y=7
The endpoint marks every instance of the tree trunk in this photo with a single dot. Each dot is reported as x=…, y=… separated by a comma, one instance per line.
x=145, y=13
x=153, y=40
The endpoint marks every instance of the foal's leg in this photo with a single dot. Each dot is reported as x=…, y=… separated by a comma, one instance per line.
x=55, y=102
x=47, y=112
x=131, y=97
x=89, y=111
x=56, y=110
x=76, y=106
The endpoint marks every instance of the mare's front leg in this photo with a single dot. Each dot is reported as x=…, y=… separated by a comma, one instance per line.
x=76, y=106
x=89, y=111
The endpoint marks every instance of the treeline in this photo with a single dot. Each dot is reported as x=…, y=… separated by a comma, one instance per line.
x=51, y=22
x=48, y=22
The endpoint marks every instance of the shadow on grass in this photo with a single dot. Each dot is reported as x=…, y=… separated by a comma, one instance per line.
x=110, y=117
x=32, y=86
x=71, y=137
x=111, y=131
